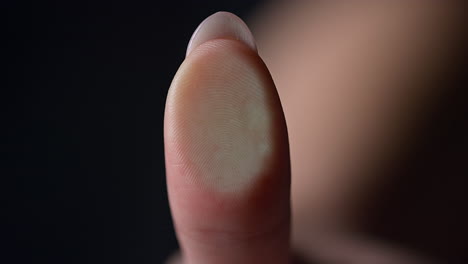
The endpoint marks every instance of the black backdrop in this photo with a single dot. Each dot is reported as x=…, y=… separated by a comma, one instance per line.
x=84, y=100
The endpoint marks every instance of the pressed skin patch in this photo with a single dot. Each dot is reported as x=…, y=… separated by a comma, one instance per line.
x=221, y=121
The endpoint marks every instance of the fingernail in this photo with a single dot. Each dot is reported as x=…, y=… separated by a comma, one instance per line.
x=221, y=25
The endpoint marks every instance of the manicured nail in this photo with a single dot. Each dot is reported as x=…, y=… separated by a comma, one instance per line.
x=221, y=25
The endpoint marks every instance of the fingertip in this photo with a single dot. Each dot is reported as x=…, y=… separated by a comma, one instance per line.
x=227, y=157
x=224, y=118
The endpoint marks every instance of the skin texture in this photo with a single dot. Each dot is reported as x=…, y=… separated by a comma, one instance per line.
x=226, y=138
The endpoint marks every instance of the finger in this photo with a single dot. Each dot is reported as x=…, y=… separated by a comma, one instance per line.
x=227, y=154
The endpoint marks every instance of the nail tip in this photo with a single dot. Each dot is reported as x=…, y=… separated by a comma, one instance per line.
x=221, y=24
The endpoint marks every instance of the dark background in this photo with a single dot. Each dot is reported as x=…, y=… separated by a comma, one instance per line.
x=83, y=153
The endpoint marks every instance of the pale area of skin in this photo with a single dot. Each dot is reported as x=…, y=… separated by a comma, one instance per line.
x=223, y=139
x=351, y=76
